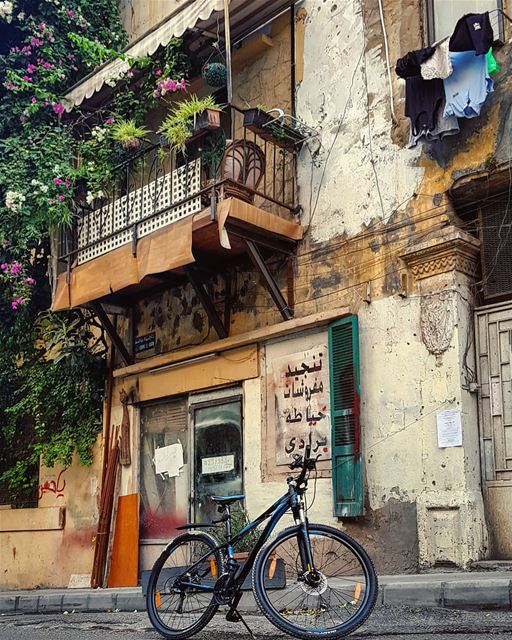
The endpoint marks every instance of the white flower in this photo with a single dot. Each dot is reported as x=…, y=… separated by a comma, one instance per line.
x=43, y=188
x=6, y=8
x=34, y=182
x=56, y=168
x=91, y=166
x=14, y=200
x=99, y=133
x=21, y=16
x=89, y=197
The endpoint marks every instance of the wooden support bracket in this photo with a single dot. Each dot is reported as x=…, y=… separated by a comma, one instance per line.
x=112, y=332
x=207, y=302
x=268, y=279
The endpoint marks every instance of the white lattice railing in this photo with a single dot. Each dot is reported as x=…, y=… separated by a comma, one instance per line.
x=156, y=205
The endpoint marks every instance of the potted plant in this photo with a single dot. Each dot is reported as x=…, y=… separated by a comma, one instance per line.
x=271, y=125
x=128, y=134
x=189, y=120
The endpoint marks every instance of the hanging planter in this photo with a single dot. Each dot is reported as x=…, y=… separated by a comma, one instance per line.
x=206, y=121
x=190, y=119
x=273, y=129
x=215, y=74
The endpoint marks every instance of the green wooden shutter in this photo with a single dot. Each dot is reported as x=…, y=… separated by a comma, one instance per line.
x=345, y=426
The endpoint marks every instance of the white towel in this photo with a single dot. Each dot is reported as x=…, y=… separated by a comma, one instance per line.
x=439, y=64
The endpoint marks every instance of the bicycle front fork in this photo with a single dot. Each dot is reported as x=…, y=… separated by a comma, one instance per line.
x=304, y=542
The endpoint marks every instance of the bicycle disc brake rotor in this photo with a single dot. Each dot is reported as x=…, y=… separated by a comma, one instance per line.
x=315, y=588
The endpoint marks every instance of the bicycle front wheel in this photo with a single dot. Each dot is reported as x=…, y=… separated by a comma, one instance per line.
x=331, y=600
x=179, y=597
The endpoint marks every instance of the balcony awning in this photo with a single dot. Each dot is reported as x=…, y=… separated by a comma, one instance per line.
x=183, y=15
x=245, y=17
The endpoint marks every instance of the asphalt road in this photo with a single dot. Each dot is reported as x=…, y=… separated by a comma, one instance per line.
x=386, y=623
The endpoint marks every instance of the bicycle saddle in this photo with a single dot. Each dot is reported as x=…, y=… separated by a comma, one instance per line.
x=227, y=500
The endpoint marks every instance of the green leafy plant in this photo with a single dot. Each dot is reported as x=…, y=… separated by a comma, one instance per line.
x=239, y=520
x=128, y=134
x=178, y=126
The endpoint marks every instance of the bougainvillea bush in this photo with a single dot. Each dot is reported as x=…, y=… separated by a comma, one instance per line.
x=50, y=398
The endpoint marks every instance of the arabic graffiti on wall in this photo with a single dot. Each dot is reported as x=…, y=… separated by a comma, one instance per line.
x=301, y=382
x=52, y=486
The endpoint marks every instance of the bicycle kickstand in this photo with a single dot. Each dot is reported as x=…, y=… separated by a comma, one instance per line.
x=233, y=615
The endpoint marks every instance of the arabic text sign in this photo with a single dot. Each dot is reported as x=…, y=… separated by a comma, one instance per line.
x=301, y=382
x=449, y=429
x=218, y=464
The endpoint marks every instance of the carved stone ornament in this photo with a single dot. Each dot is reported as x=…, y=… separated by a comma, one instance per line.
x=449, y=250
x=437, y=322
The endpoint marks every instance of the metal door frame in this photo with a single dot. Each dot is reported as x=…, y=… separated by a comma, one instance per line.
x=201, y=400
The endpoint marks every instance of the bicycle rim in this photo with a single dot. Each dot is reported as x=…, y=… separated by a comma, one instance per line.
x=175, y=611
x=334, y=603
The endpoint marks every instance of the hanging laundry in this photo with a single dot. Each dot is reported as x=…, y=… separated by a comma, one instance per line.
x=469, y=85
x=423, y=100
x=473, y=32
x=445, y=126
x=492, y=65
x=410, y=64
x=439, y=64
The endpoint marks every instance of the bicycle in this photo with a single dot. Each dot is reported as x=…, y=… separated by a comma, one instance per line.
x=328, y=585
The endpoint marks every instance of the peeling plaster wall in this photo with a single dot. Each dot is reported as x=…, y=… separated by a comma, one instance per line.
x=347, y=99
x=33, y=558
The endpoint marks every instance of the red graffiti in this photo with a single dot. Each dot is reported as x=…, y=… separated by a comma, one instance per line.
x=50, y=486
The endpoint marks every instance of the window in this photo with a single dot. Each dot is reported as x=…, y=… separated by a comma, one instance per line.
x=442, y=16
x=345, y=424
x=495, y=223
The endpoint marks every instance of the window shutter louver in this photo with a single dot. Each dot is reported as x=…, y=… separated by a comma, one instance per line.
x=345, y=425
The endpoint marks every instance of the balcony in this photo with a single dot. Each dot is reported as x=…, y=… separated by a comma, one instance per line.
x=170, y=211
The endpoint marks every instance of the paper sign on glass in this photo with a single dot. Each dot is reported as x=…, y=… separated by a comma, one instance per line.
x=169, y=460
x=219, y=464
x=449, y=429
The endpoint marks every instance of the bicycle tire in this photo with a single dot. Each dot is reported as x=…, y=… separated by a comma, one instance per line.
x=278, y=620
x=152, y=590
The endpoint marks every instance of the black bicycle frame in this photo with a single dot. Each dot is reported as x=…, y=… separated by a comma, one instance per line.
x=288, y=501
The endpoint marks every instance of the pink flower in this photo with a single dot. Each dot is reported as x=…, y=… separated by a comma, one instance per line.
x=182, y=85
x=34, y=101
x=10, y=85
x=58, y=108
x=22, y=119
x=129, y=73
x=109, y=120
x=157, y=94
x=31, y=68
x=57, y=182
x=4, y=266
x=70, y=56
x=47, y=65
x=5, y=243
x=36, y=42
x=27, y=78
x=16, y=268
x=67, y=183
x=18, y=302
x=30, y=281
x=41, y=26
x=52, y=201
x=158, y=73
x=171, y=85
x=71, y=14
x=60, y=198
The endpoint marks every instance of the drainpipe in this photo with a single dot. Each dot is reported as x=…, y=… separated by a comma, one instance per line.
x=227, y=34
x=388, y=67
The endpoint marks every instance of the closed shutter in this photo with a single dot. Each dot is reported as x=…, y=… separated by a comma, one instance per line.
x=496, y=253
x=345, y=425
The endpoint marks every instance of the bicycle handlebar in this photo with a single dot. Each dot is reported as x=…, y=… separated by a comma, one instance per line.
x=305, y=463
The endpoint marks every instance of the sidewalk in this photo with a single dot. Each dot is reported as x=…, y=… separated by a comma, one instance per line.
x=483, y=590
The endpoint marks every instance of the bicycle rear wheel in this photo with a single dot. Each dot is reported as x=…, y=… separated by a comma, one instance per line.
x=329, y=602
x=175, y=609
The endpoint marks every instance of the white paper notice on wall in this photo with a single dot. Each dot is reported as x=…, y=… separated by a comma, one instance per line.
x=169, y=460
x=449, y=429
x=218, y=464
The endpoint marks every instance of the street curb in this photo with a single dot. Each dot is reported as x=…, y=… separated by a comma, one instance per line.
x=493, y=593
